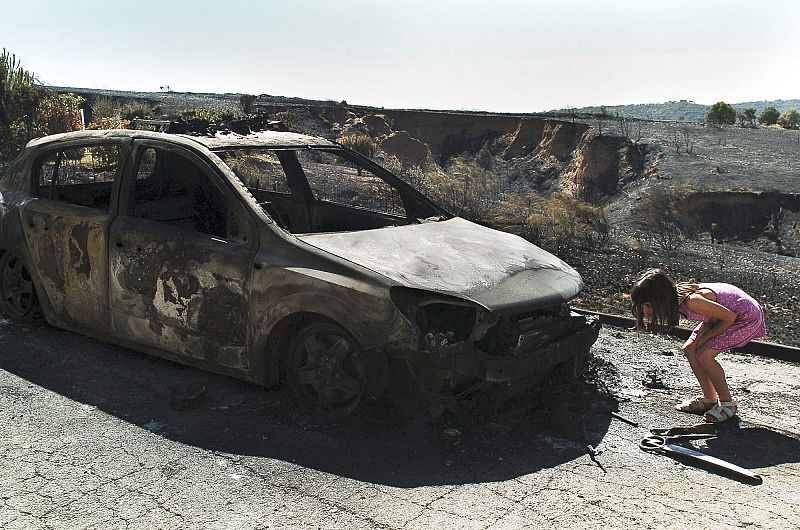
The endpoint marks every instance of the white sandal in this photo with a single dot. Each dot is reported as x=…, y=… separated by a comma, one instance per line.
x=722, y=411
x=696, y=405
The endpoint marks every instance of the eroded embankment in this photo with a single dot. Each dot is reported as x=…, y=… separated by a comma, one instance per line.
x=744, y=216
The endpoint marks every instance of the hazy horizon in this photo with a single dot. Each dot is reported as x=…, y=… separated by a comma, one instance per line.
x=514, y=56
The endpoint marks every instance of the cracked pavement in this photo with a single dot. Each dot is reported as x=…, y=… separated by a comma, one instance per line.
x=97, y=436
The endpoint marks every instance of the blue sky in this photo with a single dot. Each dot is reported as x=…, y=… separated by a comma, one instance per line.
x=508, y=56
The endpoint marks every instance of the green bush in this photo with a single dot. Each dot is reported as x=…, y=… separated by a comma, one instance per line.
x=789, y=119
x=28, y=109
x=203, y=113
x=769, y=116
x=721, y=113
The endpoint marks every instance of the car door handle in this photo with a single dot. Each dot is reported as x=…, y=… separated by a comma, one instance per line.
x=120, y=244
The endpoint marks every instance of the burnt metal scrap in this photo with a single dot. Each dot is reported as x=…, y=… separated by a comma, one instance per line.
x=274, y=256
x=202, y=127
x=669, y=445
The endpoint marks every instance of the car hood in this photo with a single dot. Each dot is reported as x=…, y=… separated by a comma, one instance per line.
x=498, y=270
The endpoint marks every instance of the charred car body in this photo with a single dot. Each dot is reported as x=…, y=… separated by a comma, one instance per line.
x=274, y=254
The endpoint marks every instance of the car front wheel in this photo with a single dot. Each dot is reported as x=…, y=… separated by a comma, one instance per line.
x=326, y=369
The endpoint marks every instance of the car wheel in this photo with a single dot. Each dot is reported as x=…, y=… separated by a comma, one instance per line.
x=326, y=369
x=17, y=293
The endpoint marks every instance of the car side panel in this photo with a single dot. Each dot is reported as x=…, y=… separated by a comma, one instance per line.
x=180, y=291
x=68, y=248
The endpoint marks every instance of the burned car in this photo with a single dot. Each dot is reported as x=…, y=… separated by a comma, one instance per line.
x=274, y=255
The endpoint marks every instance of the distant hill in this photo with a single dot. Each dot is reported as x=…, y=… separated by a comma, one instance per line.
x=170, y=102
x=681, y=110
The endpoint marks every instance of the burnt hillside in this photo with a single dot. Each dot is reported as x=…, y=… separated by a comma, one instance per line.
x=735, y=192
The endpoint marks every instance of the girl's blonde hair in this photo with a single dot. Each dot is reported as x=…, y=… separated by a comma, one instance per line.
x=665, y=297
x=686, y=289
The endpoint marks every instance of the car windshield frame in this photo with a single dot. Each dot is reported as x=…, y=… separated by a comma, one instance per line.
x=419, y=207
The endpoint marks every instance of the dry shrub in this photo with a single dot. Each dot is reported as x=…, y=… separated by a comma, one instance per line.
x=360, y=143
x=657, y=211
x=559, y=223
x=247, y=102
x=136, y=109
x=465, y=189
x=104, y=107
x=107, y=122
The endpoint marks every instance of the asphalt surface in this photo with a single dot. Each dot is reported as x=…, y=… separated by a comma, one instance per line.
x=96, y=436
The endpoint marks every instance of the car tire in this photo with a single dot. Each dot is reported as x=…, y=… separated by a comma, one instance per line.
x=327, y=370
x=18, y=298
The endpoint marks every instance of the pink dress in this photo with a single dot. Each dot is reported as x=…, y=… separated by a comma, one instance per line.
x=749, y=323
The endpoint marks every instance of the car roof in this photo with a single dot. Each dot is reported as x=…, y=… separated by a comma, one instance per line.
x=217, y=141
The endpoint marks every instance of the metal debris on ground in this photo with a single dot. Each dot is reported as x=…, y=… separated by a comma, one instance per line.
x=624, y=419
x=664, y=445
x=593, y=454
x=653, y=380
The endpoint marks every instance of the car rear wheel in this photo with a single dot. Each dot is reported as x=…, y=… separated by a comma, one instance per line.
x=17, y=293
x=326, y=369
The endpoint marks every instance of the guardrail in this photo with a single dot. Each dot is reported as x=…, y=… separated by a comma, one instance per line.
x=755, y=347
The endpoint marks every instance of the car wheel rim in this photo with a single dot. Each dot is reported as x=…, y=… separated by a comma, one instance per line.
x=328, y=369
x=18, y=293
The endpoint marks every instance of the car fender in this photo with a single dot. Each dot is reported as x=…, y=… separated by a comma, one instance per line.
x=372, y=321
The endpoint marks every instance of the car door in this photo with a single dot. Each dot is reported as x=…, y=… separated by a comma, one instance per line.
x=180, y=257
x=66, y=228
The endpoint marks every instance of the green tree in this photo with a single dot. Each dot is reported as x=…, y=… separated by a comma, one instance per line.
x=750, y=115
x=789, y=119
x=769, y=116
x=721, y=113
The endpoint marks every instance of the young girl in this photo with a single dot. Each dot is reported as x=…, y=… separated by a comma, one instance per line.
x=729, y=318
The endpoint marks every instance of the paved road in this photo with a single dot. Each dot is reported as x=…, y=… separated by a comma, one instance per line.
x=96, y=436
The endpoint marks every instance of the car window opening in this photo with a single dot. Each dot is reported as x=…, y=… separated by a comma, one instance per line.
x=81, y=175
x=173, y=190
x=321, y=190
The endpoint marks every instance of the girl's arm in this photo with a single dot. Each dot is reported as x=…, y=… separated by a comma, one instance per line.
x=722, y=317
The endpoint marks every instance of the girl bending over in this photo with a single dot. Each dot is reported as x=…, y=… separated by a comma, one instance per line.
x=729, y=318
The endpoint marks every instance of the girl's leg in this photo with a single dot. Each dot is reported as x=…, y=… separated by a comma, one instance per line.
x=706, y=385
x=714, y=372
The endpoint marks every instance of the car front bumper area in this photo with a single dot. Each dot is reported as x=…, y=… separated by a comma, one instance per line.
x=460, y=363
